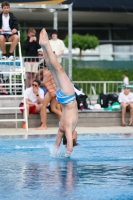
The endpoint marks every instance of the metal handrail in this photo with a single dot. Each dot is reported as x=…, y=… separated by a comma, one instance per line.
x=9, y=68
x=93, y=88
x=89, y=87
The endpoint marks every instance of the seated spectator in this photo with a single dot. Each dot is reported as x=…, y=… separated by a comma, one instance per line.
x=8, y=31
x=126, y=100
x=34, y=98
x=31, y=47
x=49, y=97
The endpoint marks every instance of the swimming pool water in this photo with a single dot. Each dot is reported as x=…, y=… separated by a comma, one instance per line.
x=100, y=168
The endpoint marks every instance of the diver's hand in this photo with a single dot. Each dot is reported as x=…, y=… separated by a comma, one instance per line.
x=67, y=154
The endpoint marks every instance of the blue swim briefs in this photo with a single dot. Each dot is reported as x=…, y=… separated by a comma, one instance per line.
x=63, y=98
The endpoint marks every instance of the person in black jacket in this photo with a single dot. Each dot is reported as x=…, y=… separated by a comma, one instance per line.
x=8, y=30
x=31, y=47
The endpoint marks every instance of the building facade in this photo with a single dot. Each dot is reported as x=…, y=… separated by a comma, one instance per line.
x=111, y=20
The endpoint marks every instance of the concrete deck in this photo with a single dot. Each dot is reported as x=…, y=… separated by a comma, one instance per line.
x=80, y=130
x=87, y=118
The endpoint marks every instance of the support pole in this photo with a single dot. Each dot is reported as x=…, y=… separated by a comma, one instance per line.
x=70, y=41
x=104, y=87
x=55, y=21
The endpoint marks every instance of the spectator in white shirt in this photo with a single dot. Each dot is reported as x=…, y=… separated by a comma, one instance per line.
x=125, y=80
x=126, y=100
x=57, y=45
x=8, y=31
x=34, y=98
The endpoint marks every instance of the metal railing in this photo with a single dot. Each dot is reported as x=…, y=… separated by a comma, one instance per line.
x=10, y=77
x=10, y=70
x=93, y=88
x=64, y=62
x=89, y=87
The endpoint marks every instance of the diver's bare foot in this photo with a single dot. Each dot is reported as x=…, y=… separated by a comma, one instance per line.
x=43, y=39
x=41, y=128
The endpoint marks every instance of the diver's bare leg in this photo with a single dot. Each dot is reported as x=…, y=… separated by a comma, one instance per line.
x=56, y=69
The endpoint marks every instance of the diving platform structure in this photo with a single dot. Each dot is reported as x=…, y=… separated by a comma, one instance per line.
x=9, y=88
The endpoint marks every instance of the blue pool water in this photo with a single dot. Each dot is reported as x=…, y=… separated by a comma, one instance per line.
x=100, y=168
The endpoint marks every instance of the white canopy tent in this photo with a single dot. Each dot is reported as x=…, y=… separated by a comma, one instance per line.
x=55, y=9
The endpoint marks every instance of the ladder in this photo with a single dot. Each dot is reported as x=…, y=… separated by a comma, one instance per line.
x=12, y=90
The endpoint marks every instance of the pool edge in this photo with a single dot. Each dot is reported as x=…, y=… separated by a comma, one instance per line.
x=80, y=130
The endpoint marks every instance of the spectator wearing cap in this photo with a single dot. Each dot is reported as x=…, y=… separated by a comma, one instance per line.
x=57, y=45
x=41, y=65
x=126, y=100
x=41, y=59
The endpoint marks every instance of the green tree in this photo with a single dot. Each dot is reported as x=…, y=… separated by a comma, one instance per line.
x=23, y=36
x=83, y=42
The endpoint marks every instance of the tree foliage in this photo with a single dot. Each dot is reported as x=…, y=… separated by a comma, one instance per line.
x=97, y=74
x=83, y=42
x=23, y=36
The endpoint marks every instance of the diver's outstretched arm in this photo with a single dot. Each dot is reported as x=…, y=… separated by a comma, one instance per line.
x=69, y=138
x=59, y=138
